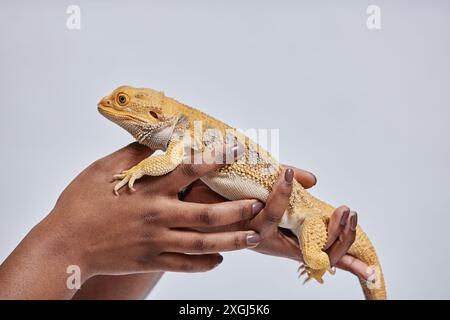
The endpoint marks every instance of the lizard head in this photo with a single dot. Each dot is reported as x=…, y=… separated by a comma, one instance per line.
x=140, y=112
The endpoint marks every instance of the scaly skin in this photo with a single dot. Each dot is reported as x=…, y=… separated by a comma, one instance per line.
x=164, y=123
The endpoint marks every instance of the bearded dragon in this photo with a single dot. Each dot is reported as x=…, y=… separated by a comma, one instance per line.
x=162, y=123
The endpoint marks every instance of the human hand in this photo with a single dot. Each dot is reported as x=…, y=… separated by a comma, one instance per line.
x=145, y=230
x=281, y=242
x=92, y=232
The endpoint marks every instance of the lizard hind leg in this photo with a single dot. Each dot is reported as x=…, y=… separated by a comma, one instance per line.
x=312, y=236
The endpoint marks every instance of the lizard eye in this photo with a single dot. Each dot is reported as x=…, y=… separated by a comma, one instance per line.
x=122, y=99
x=153, y=114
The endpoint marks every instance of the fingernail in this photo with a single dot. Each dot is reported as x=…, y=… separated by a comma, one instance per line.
x=315, y=178
x=219, y=260
x=253, y=240
x=257, y=207
x=354, y=221
x=344, y=217
x=289, y=175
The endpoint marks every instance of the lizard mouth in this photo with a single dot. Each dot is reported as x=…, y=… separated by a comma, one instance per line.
x=114, y=114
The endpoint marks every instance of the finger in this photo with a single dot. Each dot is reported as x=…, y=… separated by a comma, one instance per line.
x=192, y=215
x=345, y=240
x=277, y=202
x=355, y=266
x=197, y=242
x=305, y=178
x=177, y=262
x=337, y=223
x=201, y=164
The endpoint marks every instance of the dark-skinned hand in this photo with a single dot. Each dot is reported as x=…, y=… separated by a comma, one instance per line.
x=281, y=242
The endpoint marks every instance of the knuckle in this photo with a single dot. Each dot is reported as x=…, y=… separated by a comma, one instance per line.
x=202, y=245
x=147, y=237
x=209, y=216
x=149, y=247
x=245, y=211
x=145, y=259
x=199, y=245
x=190, y=170
x=349, y=238
x=285, y=190
x=151, y=217
x=271, y=218
x=238, y=242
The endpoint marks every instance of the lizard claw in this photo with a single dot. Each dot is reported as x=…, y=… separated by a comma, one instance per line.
x=313, y=274
x=306, y=280
x=301, y=270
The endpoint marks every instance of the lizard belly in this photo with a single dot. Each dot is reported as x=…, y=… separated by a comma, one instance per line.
x=235, y=187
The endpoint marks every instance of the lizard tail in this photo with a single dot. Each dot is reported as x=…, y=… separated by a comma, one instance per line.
x=374, y=288
x=312, y=238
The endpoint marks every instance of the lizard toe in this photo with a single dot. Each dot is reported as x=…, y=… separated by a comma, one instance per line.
x=120, y=184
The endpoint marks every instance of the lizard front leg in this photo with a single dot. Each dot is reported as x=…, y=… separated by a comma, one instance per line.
x=152, y=166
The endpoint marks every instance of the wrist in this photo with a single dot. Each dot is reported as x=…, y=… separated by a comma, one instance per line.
x=60, y=241
x=42, y=265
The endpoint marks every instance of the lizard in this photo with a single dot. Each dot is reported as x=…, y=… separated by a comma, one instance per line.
x=163, y=123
